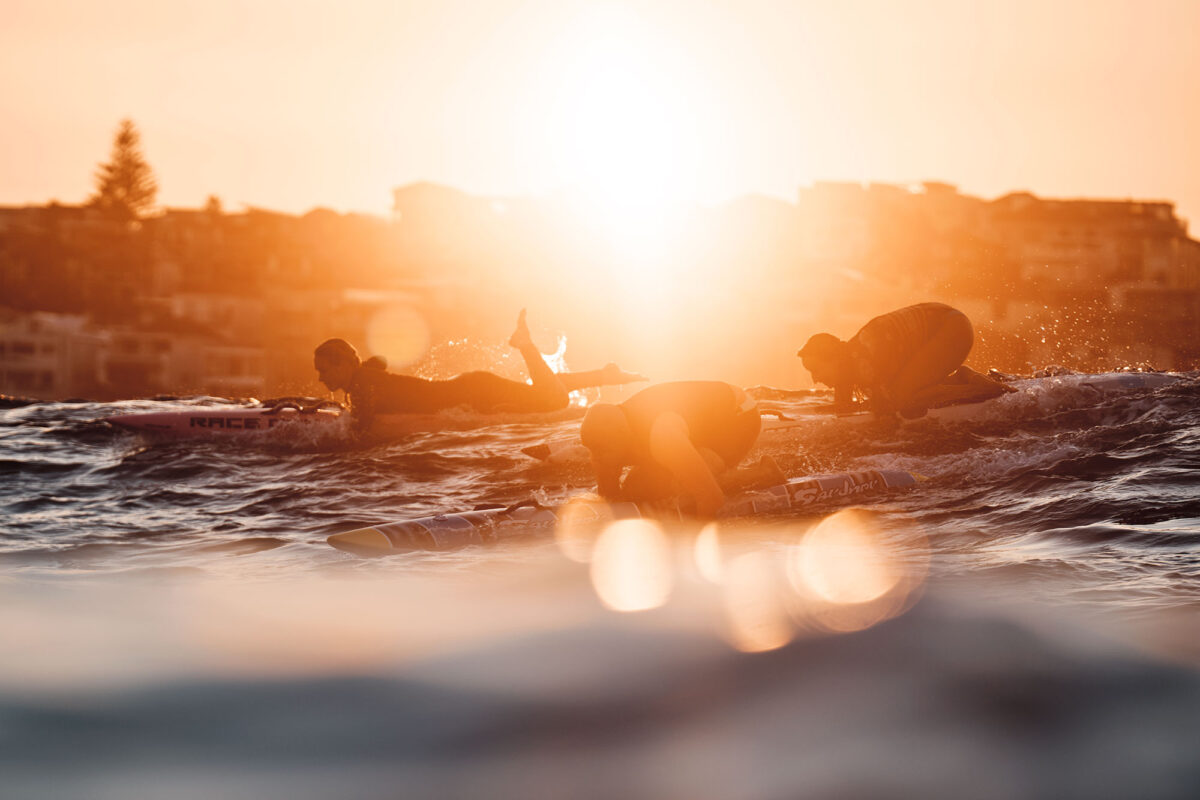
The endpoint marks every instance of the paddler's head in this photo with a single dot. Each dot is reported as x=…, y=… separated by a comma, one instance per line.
x=827, y=358
x=605, y=432
x=335, y=361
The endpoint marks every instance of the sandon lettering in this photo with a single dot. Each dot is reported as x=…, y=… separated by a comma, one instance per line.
x=855, y=484
x=806, y=492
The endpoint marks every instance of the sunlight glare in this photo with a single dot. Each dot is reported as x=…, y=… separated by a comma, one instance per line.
x=626, y=134
x=631, y=566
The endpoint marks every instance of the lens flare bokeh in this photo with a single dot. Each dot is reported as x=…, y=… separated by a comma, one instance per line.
x=755, y=595
x=398, y=333
x=707, y=553
x=631, y=566
x=850, y=571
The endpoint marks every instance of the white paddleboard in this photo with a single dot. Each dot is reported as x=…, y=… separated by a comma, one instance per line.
x=201, y=422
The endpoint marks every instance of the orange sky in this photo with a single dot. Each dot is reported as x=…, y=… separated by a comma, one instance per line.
x=290, y=105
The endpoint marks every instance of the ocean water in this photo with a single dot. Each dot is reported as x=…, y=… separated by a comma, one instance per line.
x=174, y=624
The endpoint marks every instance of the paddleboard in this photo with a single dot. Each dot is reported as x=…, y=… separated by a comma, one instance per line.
x=490, y=525
x=205, y=422
x=1105, y=383
x=571, y=450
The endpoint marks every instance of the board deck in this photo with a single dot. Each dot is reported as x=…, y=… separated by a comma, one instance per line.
x=217, y=422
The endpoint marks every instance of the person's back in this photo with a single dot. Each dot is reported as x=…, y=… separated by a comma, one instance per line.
x=375, y=391
x=888, y=341
x=678, y=438
x=708, y=408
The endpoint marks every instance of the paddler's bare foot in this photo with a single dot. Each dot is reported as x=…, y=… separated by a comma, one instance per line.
x=520, y=337
x=612, y=375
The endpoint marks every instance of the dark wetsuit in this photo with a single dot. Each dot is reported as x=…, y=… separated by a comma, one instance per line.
x=896, y=354
x=373, y=391
x=718, y=417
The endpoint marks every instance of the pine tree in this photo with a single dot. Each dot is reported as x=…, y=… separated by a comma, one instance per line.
x=125, y=186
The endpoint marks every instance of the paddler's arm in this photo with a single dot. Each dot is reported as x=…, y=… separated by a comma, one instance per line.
x=361, y=399
x=865, y=368
x=882, y=403
x=843, y=399
x=671, y=446
x=608, y=479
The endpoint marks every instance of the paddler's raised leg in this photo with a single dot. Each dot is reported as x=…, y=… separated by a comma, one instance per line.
x=541, y=374
x=546, y=383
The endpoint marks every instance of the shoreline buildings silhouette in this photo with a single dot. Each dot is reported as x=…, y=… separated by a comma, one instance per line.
x=209, y=302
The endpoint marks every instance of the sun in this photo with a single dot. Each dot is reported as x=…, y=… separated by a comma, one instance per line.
x=627, y=130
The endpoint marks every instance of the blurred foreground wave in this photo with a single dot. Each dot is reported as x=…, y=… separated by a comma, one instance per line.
x=516, y=682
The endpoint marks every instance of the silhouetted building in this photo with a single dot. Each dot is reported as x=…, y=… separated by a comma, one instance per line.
x=49, y=356
x=147, y=361
x=1073, y=245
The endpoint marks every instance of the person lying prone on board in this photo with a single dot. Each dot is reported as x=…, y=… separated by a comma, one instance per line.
x=372, y=390
x=684, y=438
x=905, y=361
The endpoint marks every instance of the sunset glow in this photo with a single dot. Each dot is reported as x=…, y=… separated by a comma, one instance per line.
x=662, y=100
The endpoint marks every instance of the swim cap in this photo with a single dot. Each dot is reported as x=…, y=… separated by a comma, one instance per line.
x=822, y=345
x=337, y=350
x=605, y=427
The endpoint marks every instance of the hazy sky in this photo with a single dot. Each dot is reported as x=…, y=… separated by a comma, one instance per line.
x=291, y=105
